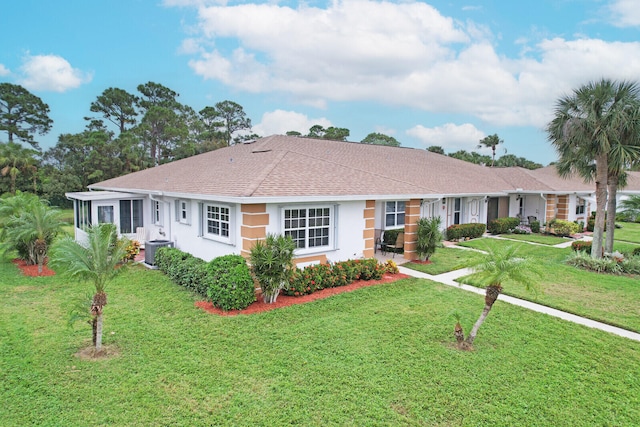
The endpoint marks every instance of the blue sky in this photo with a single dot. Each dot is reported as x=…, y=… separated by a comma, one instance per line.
x=442, y=72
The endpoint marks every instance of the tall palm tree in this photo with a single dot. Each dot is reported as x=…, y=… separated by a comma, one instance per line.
x=499, y=266
x=587, y=125
x=491, y=141
x=97, y=262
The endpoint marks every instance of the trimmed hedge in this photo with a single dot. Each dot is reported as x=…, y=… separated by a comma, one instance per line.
x=320, y=276
x=563, y=228
x=225, y=281
x=535, y=226
x=503, y=225
x=581, y=245
x=463, y=231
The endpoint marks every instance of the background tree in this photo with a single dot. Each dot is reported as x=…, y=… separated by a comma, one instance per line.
x=471, y=157
x=336, y=134
x=224, y=120
x=631, y=207
x=118, y=106
x=588, y=123
x=22, y=114
x=97, y=263
x=436, y=149
x=491, y=141
x=380, y=139
x=293, y=133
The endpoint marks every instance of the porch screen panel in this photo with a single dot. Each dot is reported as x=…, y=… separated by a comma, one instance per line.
x=137, y=214
x=125, y=216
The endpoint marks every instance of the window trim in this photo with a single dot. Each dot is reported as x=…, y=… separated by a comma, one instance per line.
x=180, y=209
x=203, y=231
x=157, y=213
x=332, y=227
x=132, y=223
x=395, y=214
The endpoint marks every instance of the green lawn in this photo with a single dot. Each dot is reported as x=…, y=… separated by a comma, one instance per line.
x=610, y=299
x=378, y=356
x=444, y=260
x=536, y=238
x=630, y=232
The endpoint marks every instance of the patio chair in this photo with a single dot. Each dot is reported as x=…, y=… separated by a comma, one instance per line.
x=141, y=236
x=531, y=218
x=379, y=244
x=398, y=245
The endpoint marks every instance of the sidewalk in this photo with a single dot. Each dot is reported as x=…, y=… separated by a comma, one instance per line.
x=450, y=277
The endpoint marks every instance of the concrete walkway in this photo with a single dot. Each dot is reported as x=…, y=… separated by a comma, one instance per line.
x=450, y=280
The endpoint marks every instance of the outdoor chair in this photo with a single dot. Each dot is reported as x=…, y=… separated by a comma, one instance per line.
x=530, y=219
x=379, y=244
x=398, y=245
x=141, y=236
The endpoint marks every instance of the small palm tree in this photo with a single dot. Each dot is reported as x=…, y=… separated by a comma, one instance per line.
x=429, y=236
x=272, y=264
x=499, y=265
x=97, y=262
x=15, y=159
x=29, y=225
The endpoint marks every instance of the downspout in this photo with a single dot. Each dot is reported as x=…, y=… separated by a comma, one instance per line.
x=168, y=219
x=544, y=214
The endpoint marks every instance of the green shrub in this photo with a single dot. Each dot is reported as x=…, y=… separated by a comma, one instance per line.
x=503, y=225
x=581, y=245
x=631, y=265
x=192, y=274
x=462, y=231
x=167, y=260
x=563, y=228
x=636, y=251
x=535, y=226
x=319, y=276
x=229, y=283
x=600, y=265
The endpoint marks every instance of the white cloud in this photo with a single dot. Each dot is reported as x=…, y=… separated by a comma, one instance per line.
x=4, y=71
x=52, y=73
x=625, y=13
x=449, y=136
x=279, y=122
x=405, y=54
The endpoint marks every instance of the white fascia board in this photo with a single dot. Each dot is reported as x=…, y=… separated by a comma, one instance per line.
x=99, y=195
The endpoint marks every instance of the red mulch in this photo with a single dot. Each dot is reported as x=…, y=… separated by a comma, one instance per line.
x=285, y=300
x=32, y=270
x=417, y=261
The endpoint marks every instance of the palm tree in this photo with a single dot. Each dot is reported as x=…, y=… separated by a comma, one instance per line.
x=98, y=262
x=429, y=236
x=28, y=225
x=632, y=207
x=499, y=266
x=35, y=228
x=588, y=124
x=15, y=159
x=491, y=141
x=272, y=264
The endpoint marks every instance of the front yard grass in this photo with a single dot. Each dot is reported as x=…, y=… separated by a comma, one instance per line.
x=630, y=232
x=606, y=298
x=537, y=238
x=378, y=356
x=445, y=260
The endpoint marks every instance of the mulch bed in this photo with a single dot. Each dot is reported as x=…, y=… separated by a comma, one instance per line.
x=285, y=300
x=32, y=270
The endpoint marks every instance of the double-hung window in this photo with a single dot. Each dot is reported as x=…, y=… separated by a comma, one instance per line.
x=394, y=214
x=183, y=211
x=217, y=221
x=156, y=212
x=580, y=206
x=309, y=227
x=457, y=210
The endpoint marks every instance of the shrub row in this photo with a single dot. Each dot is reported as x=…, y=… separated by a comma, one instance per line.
x=225, y=281
x=321, y=276
x=581, y=245
x=503, y=225
x=463, y=231
x=613, y=264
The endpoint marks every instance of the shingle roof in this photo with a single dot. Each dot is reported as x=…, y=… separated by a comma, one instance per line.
x=288, y=166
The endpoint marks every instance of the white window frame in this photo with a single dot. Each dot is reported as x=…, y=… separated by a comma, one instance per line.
x=100, y=208
x=581, y=206
x=290, y=223
x=220, y=219
x=183, y=211
x=458, y=211
x=157, y=212
x=395, y=212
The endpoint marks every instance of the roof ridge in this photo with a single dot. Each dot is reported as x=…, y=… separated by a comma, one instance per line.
x=259, y=179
